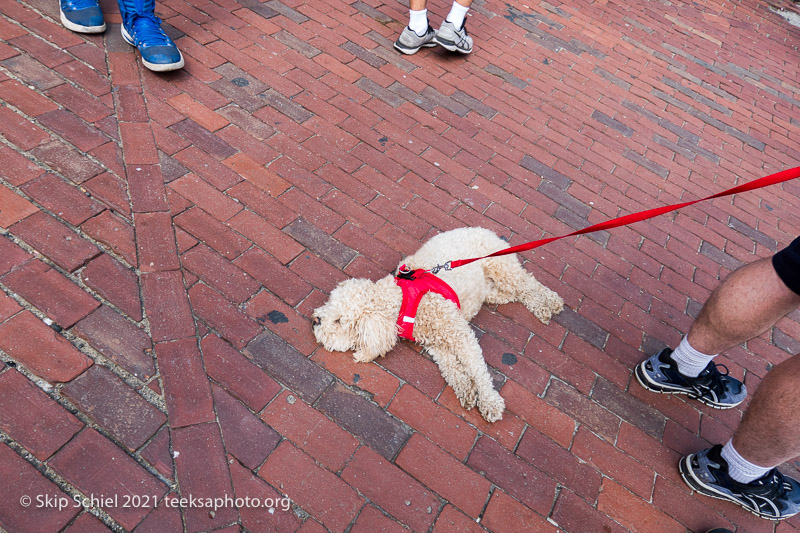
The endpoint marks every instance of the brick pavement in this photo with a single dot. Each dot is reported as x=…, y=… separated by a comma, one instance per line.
x=165, y=239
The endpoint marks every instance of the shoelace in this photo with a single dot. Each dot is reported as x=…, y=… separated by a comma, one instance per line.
x=147, y=31
x=79, y=4
x=714, y=378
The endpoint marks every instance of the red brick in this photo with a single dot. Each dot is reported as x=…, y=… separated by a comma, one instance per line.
x=560, y=464
x=420, y=372
x=186, y=387
x=284, y=283
x=271, y=239
x=222, y=316
x=30, y=482
x=513, y=475
x=19, y=131
x=206, y=197
x=237, y=374
x=220, y=273
x=633, y=512
x=371, y=519
x=698, y=513
x=67, y=161
x=613, y=463
x=202, y=469
x=72, y=129
x=547, y=419
x=163, y=518
x=55, y=241
x=435, y=422
x=86, y=523
x=310, y=430
x=453, y=521
x=267, y=207
x=45, y=353
x=114, y=406
x=94, y=465
x=257, y=174
x=155, y=240
x=8, y=307
x=51, y=292
x=167, y=306
x=82, y=104
x=138, y=144
x=158, y=454
x=319, y=492
x=17, y=169
x=573, y=514
x=449, y=478
x=117, y=284
x=112, y=231
x=505, y=514
x=507, y=431
x=31, y=418
x=15, y=207
x=246, y=436
x=647, y=450
x=188, y=106
x=371, y=378
x=272, y=312
x=27, y=100
x=11, y=255
x=119, y=340
x=208, y=168
x=215, y=234
x=392, y=489
x=246, y=484
x=130, y=104
x=589, y=413
x=111, y=190
x=146, y=188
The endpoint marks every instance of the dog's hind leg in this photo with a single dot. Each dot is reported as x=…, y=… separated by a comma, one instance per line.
x=512, y=283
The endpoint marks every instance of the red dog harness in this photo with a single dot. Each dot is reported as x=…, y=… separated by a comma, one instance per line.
x=415, y=284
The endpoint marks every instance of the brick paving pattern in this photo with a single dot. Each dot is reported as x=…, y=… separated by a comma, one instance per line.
x=165, y=239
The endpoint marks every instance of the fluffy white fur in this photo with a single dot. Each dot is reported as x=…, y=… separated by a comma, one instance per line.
x=362, y=316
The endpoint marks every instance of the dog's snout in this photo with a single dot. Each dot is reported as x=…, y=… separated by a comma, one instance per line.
x=316, y=322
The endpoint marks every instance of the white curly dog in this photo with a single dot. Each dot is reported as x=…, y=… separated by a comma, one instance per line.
x=361, y=315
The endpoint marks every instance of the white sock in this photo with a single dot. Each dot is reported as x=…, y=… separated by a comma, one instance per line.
x=740, y=468
x=418, y=21
x=457, y=14
x=690, y=361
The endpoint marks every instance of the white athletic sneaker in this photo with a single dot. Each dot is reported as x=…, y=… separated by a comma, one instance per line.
x=409, y=42
x=455, y=40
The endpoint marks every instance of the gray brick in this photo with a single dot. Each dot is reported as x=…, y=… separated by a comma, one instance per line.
x=629, y=408
x=757, y=236
x=553, y=176
x=507, y=76
x=297, y=44
x=576, y=404
x=719, y=256
x=324, y=245
x=379, y=92
x=378, y=429
x=641, y=160
x=474, y=104
x=603, y=73
x=612, y=123
x=288, y=366
x=411, y=96
x=292, y=110
x=446, y=102
x=582, y=327
x=363, y=54
x=697, y=97
x=286, y=11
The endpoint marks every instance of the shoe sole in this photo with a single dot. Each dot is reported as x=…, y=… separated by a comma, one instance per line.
x=687, y=474
x=451, y=45
x=155, y=67
x=411, y=51
x=78, y=28
x=645, y=381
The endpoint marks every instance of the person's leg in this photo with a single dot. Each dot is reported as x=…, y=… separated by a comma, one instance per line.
x=142, y=28
x=418, y=33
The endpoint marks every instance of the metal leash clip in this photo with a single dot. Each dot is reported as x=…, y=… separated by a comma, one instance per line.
x=437, y=268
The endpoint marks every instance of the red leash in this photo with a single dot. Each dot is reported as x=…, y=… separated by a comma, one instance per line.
x=772, y=179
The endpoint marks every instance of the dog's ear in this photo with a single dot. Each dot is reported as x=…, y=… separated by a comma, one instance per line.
x=375, y=329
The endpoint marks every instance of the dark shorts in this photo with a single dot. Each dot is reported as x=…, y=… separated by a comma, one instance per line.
x=787, y=265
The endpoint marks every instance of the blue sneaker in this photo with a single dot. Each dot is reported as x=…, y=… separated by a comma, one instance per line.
x=773, y=496
x=660, y=374
x=158, y=51
x=82, y=16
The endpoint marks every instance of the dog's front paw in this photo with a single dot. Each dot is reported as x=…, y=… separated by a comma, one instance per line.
x=492, y=408
x=362, y=357
x=467, y=397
